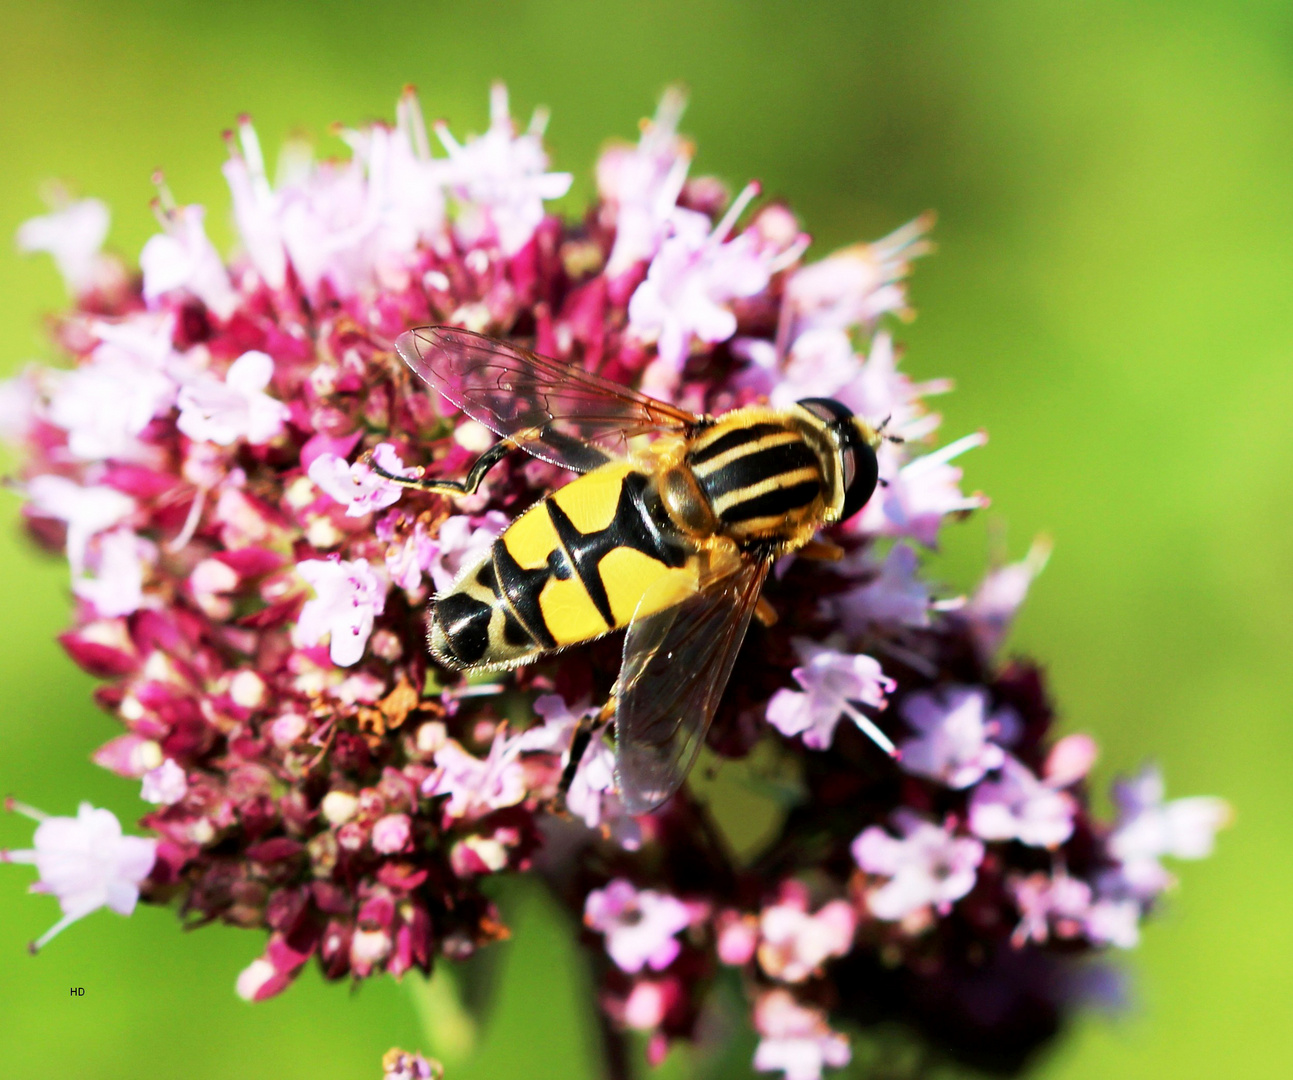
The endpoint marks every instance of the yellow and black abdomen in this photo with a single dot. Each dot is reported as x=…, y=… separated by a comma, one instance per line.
x=575, y=566
x=762, y=479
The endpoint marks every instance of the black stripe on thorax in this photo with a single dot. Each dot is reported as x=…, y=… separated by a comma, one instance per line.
x=757, y=467
x=775, y=503
x=736, y=437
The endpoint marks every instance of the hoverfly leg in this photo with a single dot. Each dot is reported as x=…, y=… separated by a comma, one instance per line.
x=765, y=612
x=820, y=548
x=588, y=727
x=468, y=486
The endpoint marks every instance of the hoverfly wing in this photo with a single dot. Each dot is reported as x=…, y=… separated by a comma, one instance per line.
x=555, y=411
x=676, y=665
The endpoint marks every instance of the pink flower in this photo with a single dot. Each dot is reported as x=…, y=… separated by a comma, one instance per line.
x=794, y=943
x=86, y=863
x=1150, y=828
x=119, y=561
x=881, y=392
x=500, y=177
x=954, y=744
x=927, y=867
x=795, y=1038
x=831, y=681
x=992, y=608
x=857, y=284
x=476, y=787
x=348, y=598
x=895, y=595
x=391, y=833
x=460, y=542
x=356, y=486
x=921, y=495
x=691, y=281
x=1018, y=806
x=1058, y=905
x=821, y=364
x=182, y=259
x=105, y=404
x=224, y=411
x=87, y=511
x=640, y=185
x=73, y=235
x=639, y=926
x=165, y=785
x=1114, y=920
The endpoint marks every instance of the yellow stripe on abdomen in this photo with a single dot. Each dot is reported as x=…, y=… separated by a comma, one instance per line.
x=569, y=612
x=628, y=574
x=530, y=539
x=591, y=501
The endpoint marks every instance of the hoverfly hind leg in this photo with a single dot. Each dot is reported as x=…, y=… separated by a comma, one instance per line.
x=468, y=486
x=588, y=727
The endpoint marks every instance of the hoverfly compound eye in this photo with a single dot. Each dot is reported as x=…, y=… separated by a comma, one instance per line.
x=861, y=473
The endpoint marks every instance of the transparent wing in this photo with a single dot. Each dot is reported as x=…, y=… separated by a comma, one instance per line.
x=552, y=410
x=676, y=666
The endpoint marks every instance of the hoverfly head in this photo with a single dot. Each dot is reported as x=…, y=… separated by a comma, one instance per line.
x=855, y=443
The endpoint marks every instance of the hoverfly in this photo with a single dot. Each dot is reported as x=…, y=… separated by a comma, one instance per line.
x=670, y=541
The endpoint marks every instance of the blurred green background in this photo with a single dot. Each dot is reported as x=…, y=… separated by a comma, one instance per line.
x=1113, y=294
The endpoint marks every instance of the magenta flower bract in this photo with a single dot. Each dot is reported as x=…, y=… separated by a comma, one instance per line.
x=252, y=596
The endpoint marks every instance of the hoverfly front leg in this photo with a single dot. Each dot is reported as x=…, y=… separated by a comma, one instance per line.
x=467, y=486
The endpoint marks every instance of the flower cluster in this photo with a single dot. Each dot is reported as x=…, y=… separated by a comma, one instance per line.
x=252, y=595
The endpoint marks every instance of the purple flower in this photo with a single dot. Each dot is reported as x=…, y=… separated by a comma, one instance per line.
x=893, y=597
x=165, y=785
x=831, y=681
x=928, y=866
x=821, y=364
x=857, y=284
x=880, y=391
x=500, y=177
x=795, y=943
x=796, y=1039
x=182, y=259
x=921, y=495
x=1058, y=905
x=348, y=598
x=460, y=542
x=474, y=786
x=640, y=185
x=991, y=610
x=1149, y=828
x=105, y=404
x=224, y=411
x=691, y=281
x=85, y=862
x=119, y=561
x=360, y=490
x=639, y=926
x=87, y=511
x=73, y=236
x=954, y=744
x=1018, y=806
